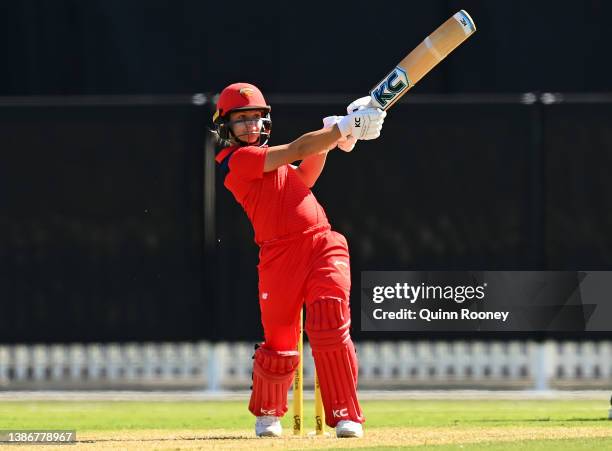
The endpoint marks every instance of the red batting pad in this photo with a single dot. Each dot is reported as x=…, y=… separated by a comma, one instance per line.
x=272, y=376
x=327, y=325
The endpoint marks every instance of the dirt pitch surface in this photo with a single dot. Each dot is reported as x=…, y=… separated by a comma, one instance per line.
x=406, y=437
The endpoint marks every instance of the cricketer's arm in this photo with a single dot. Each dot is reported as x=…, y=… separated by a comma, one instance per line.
x=310, y=169
x=305, y=146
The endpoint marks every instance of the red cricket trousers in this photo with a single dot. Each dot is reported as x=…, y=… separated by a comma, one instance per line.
x=312, y=269
x=297, y=271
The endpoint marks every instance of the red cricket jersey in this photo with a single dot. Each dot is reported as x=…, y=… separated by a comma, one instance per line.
x=278, y=203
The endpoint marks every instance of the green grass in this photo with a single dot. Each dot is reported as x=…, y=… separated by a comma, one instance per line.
x=100, y=416
x=592, y=444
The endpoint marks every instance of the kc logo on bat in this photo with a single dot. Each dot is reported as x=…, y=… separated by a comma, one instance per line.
x=390, y=87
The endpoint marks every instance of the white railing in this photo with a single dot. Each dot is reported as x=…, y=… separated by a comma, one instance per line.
x=388, y=365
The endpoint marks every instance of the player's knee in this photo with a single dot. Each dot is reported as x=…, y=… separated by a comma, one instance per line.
x=270, y=363
x=328, y=322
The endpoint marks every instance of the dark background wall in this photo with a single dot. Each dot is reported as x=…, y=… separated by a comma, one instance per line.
x=163, y=46
x=103, y=231
x=105, y=236
x=101, y=226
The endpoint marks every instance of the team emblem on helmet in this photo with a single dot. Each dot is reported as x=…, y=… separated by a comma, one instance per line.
x=246, y=92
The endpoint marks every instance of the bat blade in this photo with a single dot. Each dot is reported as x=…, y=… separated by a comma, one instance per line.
x=437, y=46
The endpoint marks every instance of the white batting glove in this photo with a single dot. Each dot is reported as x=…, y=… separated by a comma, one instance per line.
x=330, y=121
x=359, y=104
x=347, y=143
x=363, y=124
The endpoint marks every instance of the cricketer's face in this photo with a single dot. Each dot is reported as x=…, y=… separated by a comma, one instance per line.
x=246, y=125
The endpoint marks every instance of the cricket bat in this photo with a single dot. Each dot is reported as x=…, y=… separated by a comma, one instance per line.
x=446, y=38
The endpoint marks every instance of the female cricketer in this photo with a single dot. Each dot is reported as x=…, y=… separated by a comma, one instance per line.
x=301, y=260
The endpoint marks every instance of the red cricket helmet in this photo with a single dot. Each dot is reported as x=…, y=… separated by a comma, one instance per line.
x=238, y=97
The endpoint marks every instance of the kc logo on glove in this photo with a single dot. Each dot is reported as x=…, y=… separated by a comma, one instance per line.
x=357, y=122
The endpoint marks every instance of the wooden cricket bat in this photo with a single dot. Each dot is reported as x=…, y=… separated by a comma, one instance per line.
x=446, y=38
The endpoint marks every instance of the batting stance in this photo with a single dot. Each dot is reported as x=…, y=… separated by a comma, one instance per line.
x=301, y=260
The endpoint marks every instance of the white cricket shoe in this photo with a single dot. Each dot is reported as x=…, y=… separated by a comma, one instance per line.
x=268, y=426
x=347, y=428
